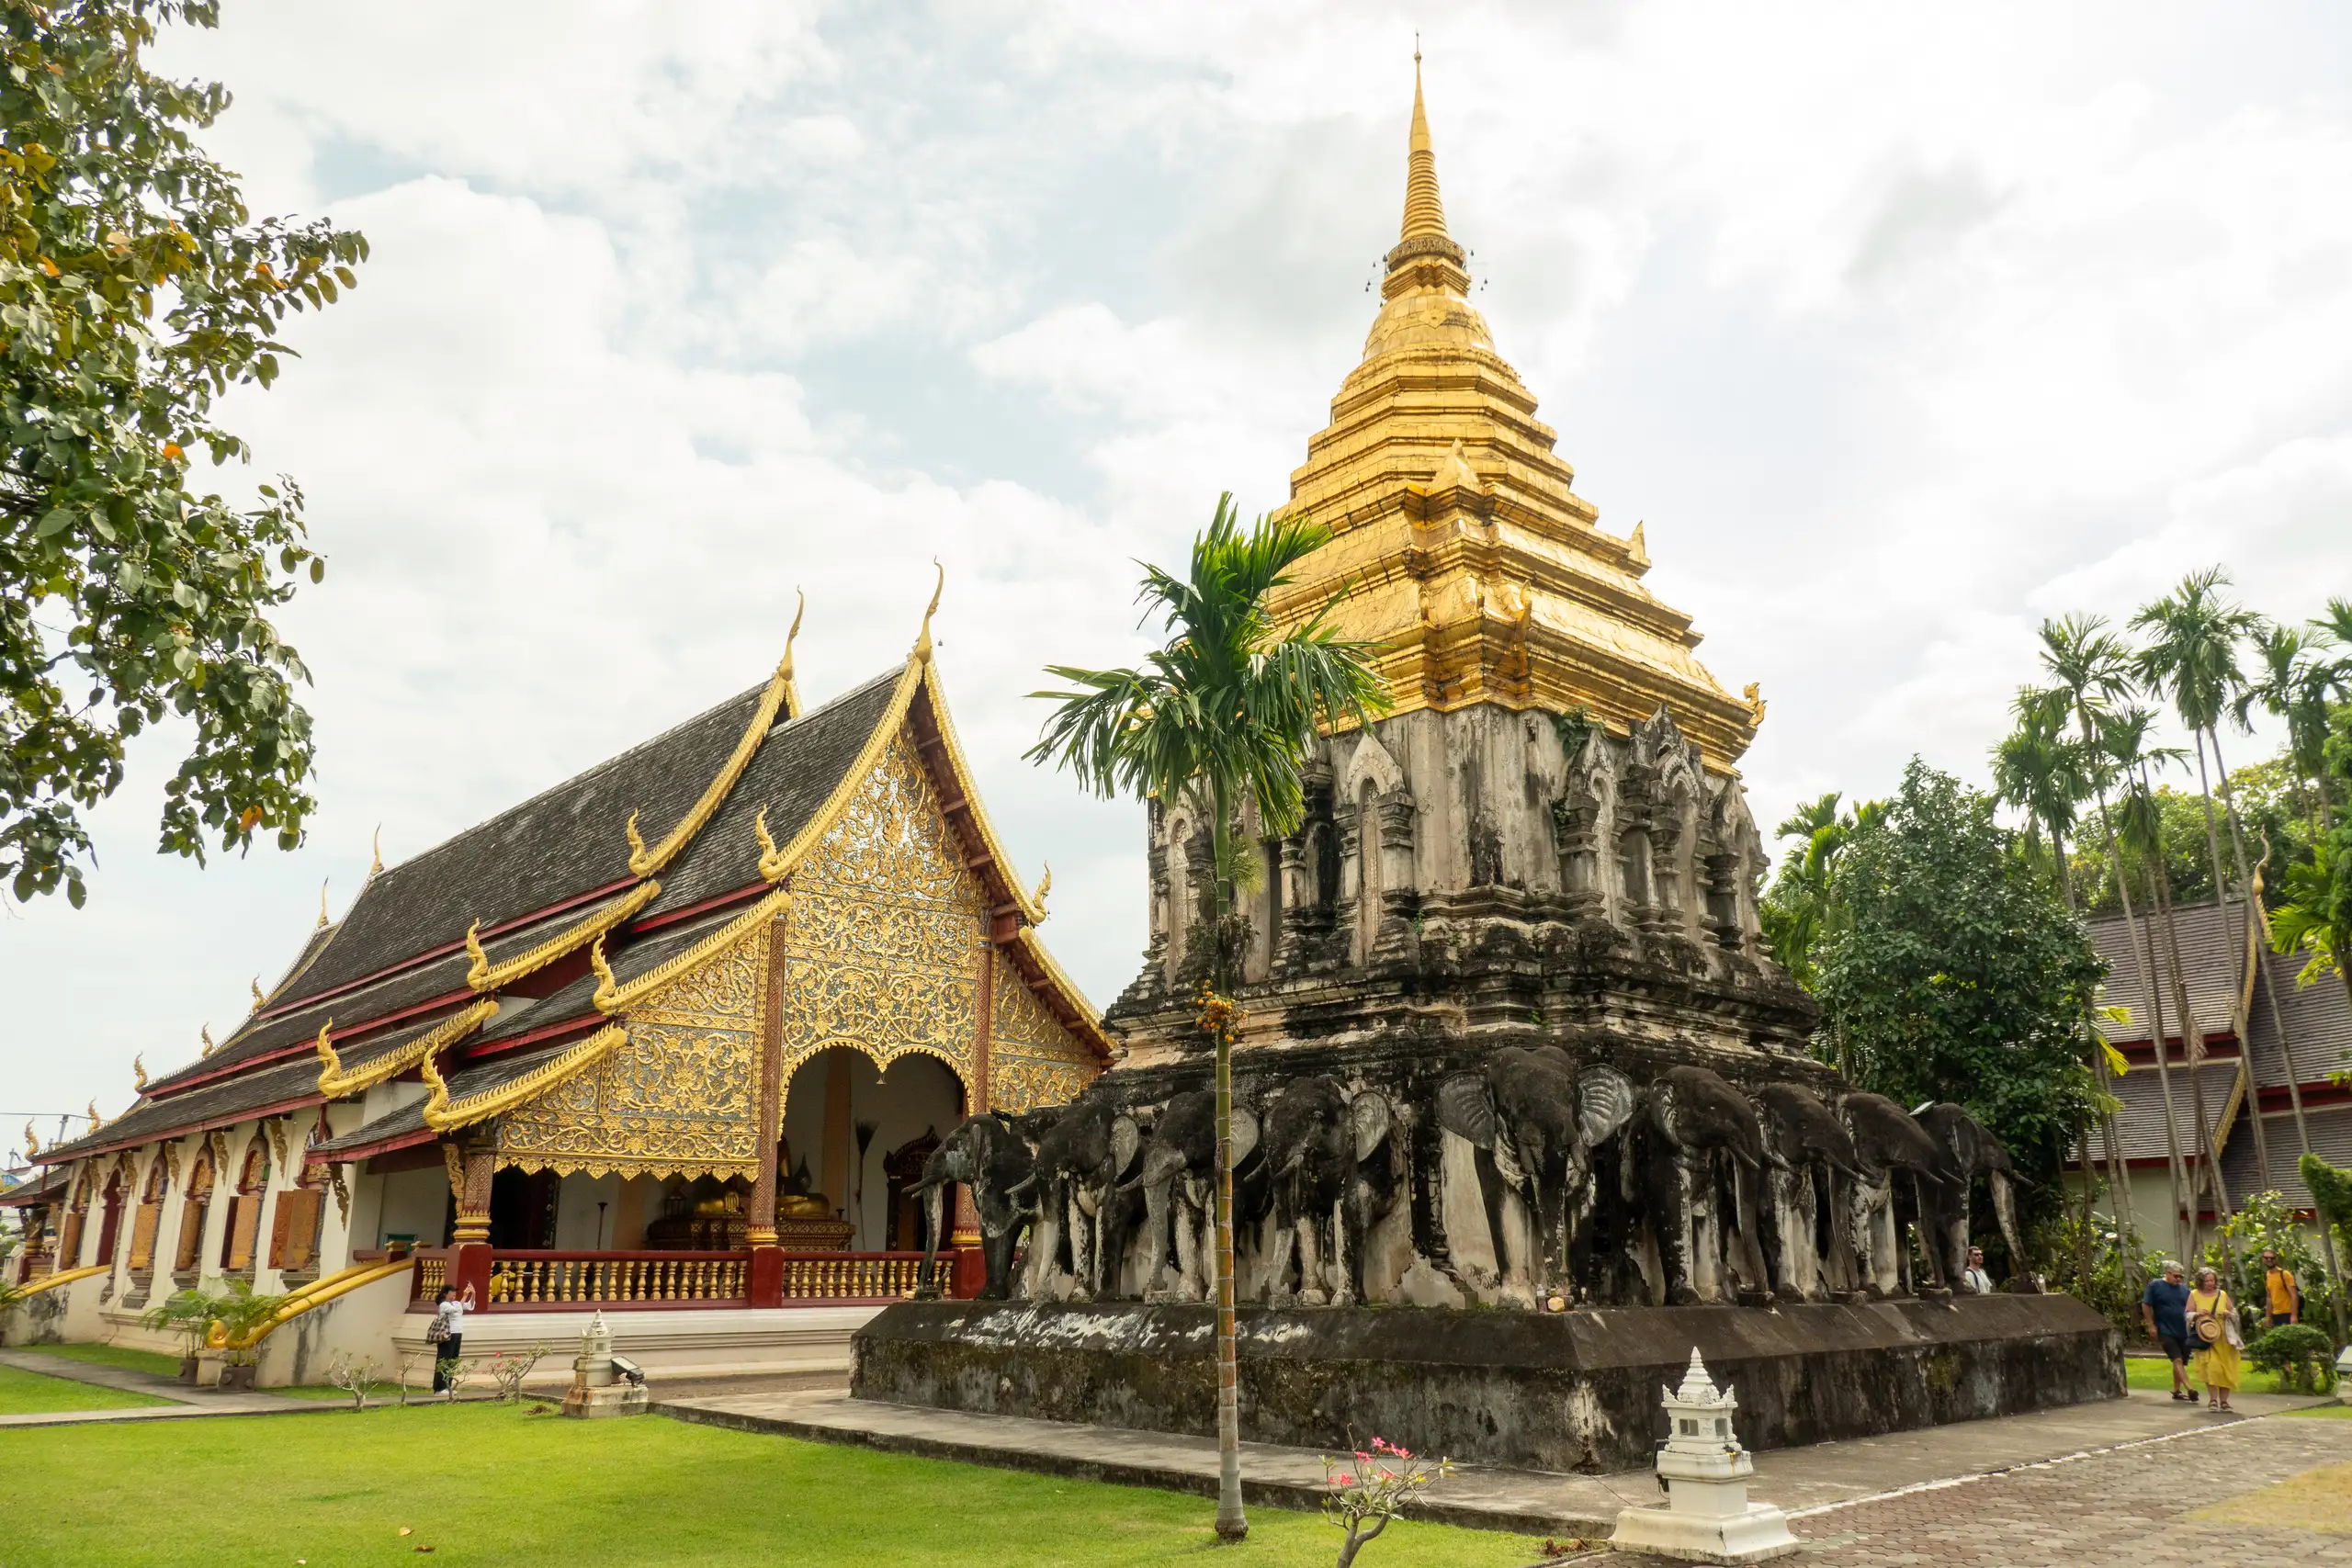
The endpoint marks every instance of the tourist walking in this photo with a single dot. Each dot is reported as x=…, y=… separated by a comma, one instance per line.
x=447, y=1336
x=2163, y=1307
x=2213, y=1327
x=2282, y=1295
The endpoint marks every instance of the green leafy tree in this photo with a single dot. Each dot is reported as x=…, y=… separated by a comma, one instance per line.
x=135, y=288
x=1799, y=907
x=2314, y=913
x=1223, y=714
x=1956, y=973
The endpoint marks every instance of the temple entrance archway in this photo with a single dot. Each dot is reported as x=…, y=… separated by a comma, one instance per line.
x=844, y=1117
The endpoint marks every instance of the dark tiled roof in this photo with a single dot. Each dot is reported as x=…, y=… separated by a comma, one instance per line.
x=790, y=776
x=2140, y=1123
x=2208, y=962
x=2331, y=1132
x=578, y=999
x=2318, y=1019
x=556, y=845
x=410, y=1118
x=217, y=1105
x=38, y=1188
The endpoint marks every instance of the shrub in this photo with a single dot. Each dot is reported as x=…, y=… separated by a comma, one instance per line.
x=2300, y=1354
x=1362, y=1496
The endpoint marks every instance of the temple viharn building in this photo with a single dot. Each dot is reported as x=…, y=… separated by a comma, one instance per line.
x=670, y=1039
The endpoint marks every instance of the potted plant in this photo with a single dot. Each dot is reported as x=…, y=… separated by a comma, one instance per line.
x=238, y=1312
x=185, y=1313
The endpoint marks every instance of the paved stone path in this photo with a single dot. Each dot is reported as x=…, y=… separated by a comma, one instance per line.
x=2139, y=1506
x=187, y=1401
x=1530, y=1502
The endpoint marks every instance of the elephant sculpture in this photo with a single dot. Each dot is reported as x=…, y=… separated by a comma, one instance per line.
x=1317, y=1152
x=987, y=1155
x=1908, y=1179
x=1534, y=1121
x=1177, y=1174
x=1808, y=1154
x=1704, y=1150
x=1972, y=1152
x=1080, y=1157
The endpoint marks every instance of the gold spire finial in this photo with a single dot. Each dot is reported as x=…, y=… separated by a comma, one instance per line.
x=922, y=643
x=327, y=1055
x=376, y=853
x=1044, y=885
x=323, y=921
x=204, y=1032
x=138, y=1071
x=784, y=669
x=1424, y=212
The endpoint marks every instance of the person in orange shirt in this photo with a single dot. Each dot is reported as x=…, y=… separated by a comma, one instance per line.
x=2285, y=1298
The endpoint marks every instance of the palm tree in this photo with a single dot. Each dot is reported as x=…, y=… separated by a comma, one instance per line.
x=2193, y=657
x=2090, y=671
x=1224, y=713
x=1798, y=908
x=2297, y=683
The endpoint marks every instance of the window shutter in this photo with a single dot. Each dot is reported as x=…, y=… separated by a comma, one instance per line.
x=294, y=1229
x=279, y=1220
x=245, y=1222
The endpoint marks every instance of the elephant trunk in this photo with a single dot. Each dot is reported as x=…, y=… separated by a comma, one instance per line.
x=933, y=1209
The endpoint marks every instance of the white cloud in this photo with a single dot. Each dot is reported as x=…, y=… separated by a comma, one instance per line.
x=1901, y=330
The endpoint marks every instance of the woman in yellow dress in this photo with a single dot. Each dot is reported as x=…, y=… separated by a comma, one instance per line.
x=2217, y=1362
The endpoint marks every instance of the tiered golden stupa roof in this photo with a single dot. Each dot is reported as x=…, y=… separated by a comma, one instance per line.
x=1463, y=551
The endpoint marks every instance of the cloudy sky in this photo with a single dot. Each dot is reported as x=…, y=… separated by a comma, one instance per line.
x=1899, y=328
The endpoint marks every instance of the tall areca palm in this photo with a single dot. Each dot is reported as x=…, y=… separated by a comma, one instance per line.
x=1797, y=910
x=2192, y=656
x=2090, y=673
x=2141, y=823
x=1223, y=714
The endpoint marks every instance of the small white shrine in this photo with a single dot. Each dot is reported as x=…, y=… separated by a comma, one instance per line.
x=1708, y=1517
x=598, y=1389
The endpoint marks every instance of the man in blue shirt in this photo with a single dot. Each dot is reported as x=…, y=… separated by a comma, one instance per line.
x=2165, y=1308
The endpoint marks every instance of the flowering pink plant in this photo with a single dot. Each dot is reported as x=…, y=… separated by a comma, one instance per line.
x=1363, y=1496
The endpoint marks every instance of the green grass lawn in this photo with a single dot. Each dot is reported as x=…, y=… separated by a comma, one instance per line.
x=154, y=1362
x=2325, y=1412
x=32, y=1394
x=2155, y=1372
x=490, y=1484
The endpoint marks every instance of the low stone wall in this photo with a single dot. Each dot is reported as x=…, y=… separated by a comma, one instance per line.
x=1573, y=1391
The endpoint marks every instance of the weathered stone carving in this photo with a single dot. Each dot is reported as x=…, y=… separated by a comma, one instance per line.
x=985, y=1153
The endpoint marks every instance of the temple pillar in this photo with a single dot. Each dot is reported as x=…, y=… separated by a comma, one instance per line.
x=1722, y=901
x=1298, y=897
x=764, y=1284
x=1351, y=905
x=470, y=1168
x=1399, y=894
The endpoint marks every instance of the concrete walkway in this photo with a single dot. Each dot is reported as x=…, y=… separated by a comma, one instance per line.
x=187, y=1401
x=1820, y=1477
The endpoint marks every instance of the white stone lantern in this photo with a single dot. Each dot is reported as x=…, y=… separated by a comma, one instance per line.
x=1708, y=1517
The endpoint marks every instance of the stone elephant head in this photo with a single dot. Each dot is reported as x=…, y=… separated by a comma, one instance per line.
x=1537, y=1118
x=1177, y=1174
x=1084, y=1150
x=986, y=1155
x=1315, y=1154
x=1974, y=1151
x=1907, y=1176
x=1810, y=1153
x=1703, y=1152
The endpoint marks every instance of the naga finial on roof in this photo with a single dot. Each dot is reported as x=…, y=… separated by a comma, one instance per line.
x=138, y=1071
x=323, y=921
x=258, y=997
x=326, y=1050
x=204, y=1032
x=923, y=642
x=607, y=988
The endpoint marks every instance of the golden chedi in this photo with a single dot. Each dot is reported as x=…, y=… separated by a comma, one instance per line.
x=1546, y=830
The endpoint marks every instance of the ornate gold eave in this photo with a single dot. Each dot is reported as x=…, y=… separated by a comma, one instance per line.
x=1033, y=907
x=781, y=697
x=335, y=1082
x=1090, y=1020
x=443, y=1114
x=484, y=975
x=614, y=994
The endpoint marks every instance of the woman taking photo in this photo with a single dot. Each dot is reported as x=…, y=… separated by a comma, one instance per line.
x=2213, y=1329
x=447, y=1337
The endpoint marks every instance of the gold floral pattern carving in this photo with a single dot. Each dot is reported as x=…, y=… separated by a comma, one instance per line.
x=882, y=945
x=676, y=1099
x=1034, y=1059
